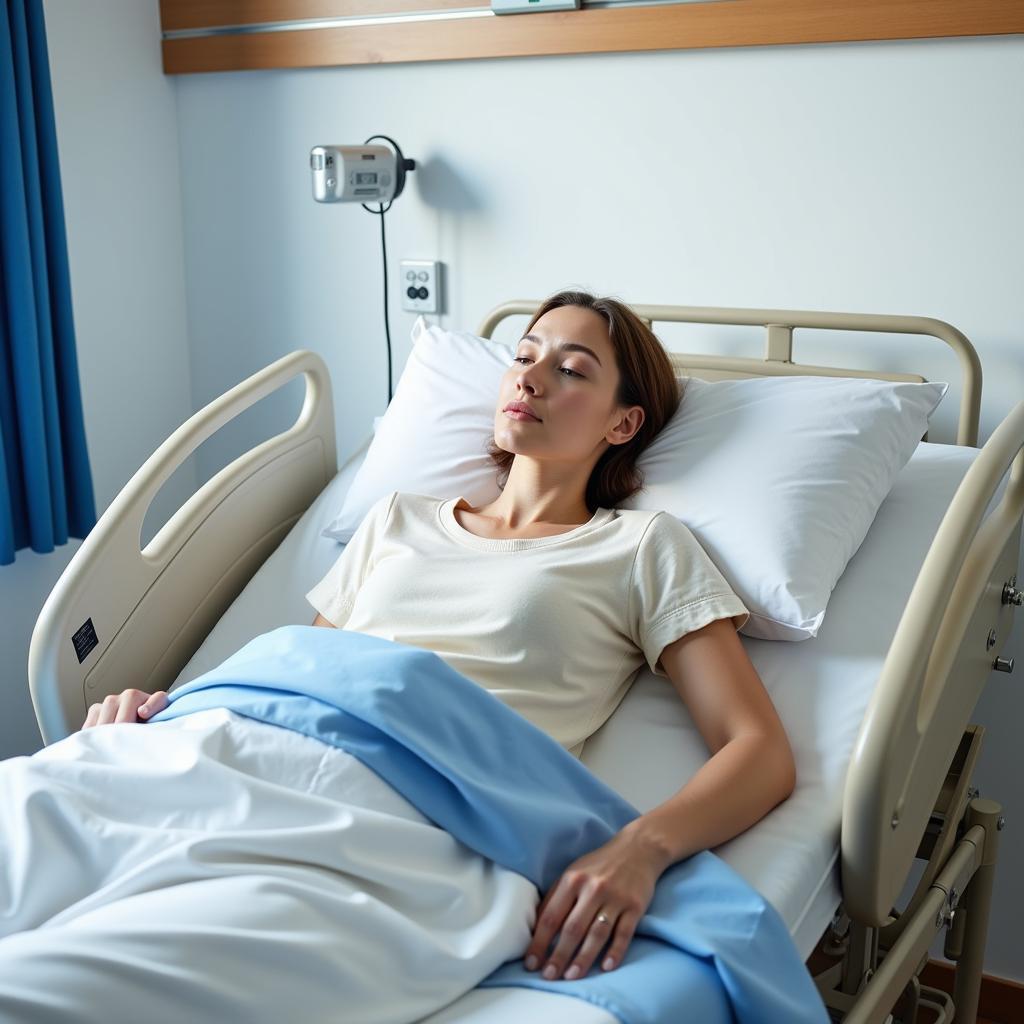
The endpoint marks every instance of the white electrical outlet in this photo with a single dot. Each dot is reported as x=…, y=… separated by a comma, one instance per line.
x=528, y=6
x=420, y=281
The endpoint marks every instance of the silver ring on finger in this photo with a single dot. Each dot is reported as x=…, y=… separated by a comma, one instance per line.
x=602, y=917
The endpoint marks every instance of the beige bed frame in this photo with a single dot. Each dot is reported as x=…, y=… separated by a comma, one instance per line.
x=139, y=615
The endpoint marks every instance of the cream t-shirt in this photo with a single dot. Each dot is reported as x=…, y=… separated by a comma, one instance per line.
x=555, y=627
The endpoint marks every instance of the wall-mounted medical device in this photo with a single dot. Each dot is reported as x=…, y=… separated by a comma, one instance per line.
x=358, y=174
x=529, y=6
x=372, y=174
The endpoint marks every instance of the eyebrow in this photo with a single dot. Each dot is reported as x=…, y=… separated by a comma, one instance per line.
x=566, y=346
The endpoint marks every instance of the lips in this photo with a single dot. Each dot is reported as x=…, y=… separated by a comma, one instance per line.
x=523, y=408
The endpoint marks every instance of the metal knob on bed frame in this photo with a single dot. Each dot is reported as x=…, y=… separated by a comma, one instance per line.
x=1011, y=595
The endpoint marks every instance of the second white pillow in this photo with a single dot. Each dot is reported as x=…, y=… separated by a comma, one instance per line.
x=779, y=478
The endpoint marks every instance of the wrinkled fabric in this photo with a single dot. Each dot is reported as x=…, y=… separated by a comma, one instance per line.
x=505, y=789
x=216, y=868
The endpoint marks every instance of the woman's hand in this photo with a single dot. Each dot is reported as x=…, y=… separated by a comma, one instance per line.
x=127, y=706
x=599, y=898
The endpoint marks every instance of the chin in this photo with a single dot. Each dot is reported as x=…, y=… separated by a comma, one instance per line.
x=506, y=445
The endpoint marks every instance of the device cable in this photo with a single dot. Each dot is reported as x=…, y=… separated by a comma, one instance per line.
x=387, y=328
x=384, y=255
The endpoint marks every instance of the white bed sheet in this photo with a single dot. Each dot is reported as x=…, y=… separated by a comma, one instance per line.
x=166, y=872
x=649, y=747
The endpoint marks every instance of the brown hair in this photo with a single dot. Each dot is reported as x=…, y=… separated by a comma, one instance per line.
x=646, y=378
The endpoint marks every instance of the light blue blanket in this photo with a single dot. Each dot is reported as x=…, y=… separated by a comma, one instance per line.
x=709, y=948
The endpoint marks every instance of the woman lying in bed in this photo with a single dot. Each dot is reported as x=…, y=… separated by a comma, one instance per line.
x=552, y=597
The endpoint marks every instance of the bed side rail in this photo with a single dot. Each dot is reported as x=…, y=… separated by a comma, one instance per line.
x=957, y=618
x=125, y=616
x=778, y=353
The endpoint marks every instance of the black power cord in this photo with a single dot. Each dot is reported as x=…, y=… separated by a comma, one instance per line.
x=384, y=253
x=403, y=165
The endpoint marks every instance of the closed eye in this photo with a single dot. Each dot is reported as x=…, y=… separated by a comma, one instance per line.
x=566, y=368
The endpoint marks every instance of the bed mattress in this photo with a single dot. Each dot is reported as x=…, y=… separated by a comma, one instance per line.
x=650, y=747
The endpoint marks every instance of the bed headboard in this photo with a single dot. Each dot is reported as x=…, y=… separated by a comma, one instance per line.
x=778, y=352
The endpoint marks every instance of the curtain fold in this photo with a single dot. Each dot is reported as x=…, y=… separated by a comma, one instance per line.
x=46, y=492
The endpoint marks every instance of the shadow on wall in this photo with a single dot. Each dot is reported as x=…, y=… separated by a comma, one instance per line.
x=440, y=186
x=444, y=191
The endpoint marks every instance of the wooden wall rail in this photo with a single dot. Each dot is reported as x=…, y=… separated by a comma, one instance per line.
x=237, y=35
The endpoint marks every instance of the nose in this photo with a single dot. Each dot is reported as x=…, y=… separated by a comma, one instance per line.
x=524, y=379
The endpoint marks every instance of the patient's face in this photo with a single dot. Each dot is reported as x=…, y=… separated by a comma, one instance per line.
x=572, y=391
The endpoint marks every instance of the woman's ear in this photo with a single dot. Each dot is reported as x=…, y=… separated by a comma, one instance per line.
x=625, y=430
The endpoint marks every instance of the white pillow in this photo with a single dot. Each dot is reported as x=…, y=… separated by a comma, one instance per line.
x=779, y=478
x=432, y=438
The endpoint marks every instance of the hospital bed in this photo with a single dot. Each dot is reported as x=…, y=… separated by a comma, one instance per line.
x=877, y=705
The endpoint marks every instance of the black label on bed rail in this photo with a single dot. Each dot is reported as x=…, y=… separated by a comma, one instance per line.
x=84, y=640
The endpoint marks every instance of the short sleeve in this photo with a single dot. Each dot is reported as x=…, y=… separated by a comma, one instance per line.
x=334, y=596
x=675, y=589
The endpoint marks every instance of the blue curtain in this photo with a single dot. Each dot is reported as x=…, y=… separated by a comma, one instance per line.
x=46, y=490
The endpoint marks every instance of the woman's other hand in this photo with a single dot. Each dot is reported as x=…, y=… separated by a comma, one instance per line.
x=127, y=706
x=597, y=902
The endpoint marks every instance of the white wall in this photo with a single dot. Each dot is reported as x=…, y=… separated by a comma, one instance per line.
x=870, y=177
x=117, y=138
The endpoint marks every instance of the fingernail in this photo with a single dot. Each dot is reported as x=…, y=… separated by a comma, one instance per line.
x=143, y=710
x=608, y=964
x=550, y=971
x=573, y=972
x=531, y=963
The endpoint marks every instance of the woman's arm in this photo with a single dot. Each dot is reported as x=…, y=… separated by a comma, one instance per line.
x=321, y=621
x=750, y=771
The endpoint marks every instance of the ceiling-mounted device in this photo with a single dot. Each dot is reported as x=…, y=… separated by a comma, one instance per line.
x=358, y=174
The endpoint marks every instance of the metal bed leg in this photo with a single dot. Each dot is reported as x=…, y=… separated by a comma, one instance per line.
x=861, y=958
x=975, y=906
x=884, y=982
x=907, y=1006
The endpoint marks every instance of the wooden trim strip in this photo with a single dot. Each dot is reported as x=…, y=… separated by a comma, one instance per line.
x=601, y=30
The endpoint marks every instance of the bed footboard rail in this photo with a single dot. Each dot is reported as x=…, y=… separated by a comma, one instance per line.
x=957, y=618
x=125, y=616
